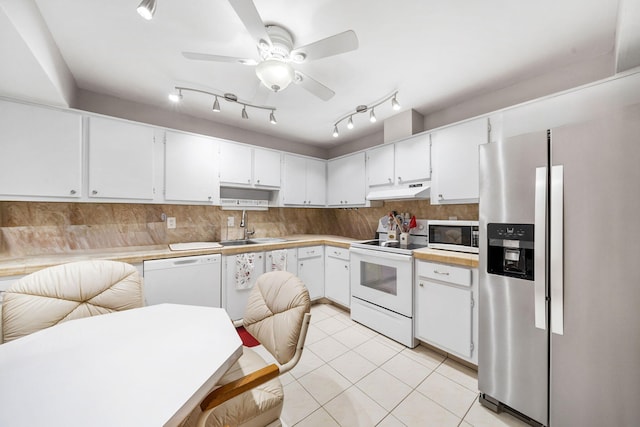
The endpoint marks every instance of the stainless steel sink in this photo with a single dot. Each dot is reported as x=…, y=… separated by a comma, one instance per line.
x=237, y=242
x=268, y=240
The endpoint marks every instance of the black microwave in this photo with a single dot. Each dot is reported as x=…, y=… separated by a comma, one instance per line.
x=461, y=236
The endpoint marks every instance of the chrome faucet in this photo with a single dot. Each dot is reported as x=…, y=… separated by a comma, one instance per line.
x=243, y=224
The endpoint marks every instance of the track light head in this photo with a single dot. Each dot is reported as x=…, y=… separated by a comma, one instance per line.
x=350, y=123
x=335, y=131
x=394, y=103
x=244, y=112
x=147, y=8
x=272, y=118
x=216, y=105
x=372, y=116
x=176, y=96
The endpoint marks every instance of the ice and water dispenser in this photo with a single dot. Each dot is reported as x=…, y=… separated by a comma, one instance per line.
x=510, y=250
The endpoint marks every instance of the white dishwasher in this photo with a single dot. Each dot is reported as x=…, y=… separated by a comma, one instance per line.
x=192, y=280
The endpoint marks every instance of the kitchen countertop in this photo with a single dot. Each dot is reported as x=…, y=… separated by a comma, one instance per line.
x=13, y=266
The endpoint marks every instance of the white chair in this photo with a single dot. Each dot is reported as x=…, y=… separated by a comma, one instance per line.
x=69, y=291
x=250, y=394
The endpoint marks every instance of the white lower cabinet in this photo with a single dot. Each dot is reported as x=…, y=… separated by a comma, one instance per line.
x=282, y=259
x=239, y=274
x=311, y=269
x=337, y=278
x=445, y=308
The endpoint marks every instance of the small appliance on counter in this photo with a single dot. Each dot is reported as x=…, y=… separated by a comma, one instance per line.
x=453, y=235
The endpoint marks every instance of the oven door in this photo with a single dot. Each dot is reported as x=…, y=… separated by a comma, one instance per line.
x=383, y=278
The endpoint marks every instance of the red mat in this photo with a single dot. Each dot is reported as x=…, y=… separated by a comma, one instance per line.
x=247, y=339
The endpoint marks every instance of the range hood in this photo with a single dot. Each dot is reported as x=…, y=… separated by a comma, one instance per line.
x=418, y=191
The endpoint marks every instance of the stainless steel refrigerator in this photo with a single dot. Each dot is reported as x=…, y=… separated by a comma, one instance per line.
x=559, y=304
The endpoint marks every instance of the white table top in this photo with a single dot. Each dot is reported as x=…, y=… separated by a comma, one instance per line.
x=143, y=367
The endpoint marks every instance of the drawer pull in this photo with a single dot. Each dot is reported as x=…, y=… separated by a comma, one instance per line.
x=444, y=273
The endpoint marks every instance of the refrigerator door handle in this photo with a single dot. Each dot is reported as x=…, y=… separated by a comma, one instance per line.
x=539, y=274
x=557, y=250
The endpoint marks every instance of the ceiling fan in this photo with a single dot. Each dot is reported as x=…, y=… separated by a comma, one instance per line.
x=277, y=53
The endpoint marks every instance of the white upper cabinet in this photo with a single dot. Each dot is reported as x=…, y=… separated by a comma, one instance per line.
x=413, y=159
x=121, y=159
x=346, y=181
x=235, y=163
x=455, y=162
x=380, y=165
x=304, y=181
x=246, y=166
x=40, y=151
x=266, y=167
x=191, y=168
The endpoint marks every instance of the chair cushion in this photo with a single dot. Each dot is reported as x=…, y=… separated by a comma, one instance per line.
x=69, y=291
x=275, y=311
x=254, y=408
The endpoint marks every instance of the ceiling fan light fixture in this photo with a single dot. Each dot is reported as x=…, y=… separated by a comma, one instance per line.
x=216, y=105
x=272, y=118
x=244, y=112
x=147, y=8
x=275, y=74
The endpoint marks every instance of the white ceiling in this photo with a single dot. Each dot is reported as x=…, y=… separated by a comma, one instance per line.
x=435, y=53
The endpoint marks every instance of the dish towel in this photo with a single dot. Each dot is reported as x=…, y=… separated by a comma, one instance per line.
x=279, y=260
x=245, y=265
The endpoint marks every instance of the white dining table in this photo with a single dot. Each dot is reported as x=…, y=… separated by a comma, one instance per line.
x=142, y=367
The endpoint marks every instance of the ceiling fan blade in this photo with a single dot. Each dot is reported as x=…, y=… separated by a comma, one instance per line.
x=218, y=58
x=314, y=86
x=248, y=14
x=334, y=45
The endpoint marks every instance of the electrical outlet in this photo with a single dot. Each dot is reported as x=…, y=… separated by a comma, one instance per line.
x=171, y=222
x=231, y=221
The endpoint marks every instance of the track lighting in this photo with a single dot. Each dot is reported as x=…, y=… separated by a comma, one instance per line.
x=363, y=109
x=394, y=103
x=147, y=8
x=177, y=97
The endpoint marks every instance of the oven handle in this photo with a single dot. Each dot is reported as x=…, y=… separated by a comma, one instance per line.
x=380, y=254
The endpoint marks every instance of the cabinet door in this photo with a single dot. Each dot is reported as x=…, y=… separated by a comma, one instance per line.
x=346, y=180
x=236, y=294
x=456, y=164
x=380, y=165
x=235, y=163
x=120, y=159
x=266, y=168
x=413, y=159
x=316, y=189
x=337, y=280
x=273, y=262
x=191, y=168
x=311, y=270
x=40, y=151
x=443, y=315
x=295, y=182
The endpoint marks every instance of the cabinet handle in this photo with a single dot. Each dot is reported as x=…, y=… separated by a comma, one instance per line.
x=94, y=192
x=440, y=197
x=399, y=179
x=421, y=285
x=249, y=181
x=444, y=273
x=258, y=181
x=210, y=197
x=346, y=267
x=72, y=192
x=390, y=180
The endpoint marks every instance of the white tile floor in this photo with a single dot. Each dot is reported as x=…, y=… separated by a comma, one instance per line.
x=350, y=376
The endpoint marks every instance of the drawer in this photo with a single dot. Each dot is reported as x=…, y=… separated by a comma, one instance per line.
x=444, y=273
x=340, y=253
x=310, y=252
